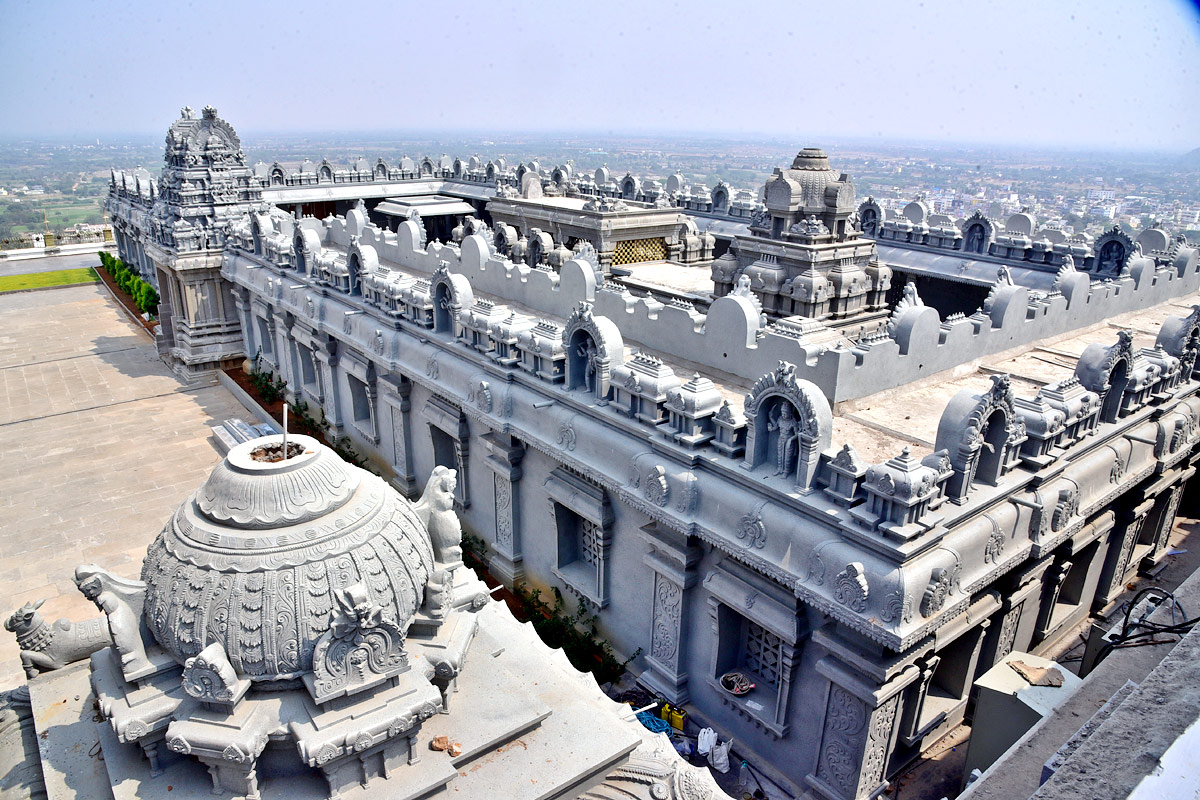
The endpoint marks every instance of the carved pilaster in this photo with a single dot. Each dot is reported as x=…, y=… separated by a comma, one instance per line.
x=673, y=560
x=326, y=356
x=504, y=459
x=1167, y=521
x=1120, y=557
x=858, y=733
x=1008, y=632
x=395, y=394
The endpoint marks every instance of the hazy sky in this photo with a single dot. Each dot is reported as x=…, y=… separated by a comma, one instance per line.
x=1092, y=73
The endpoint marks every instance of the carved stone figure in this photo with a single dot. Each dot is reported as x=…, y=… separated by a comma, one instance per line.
x=124, y=624
x=786, y=447
x=435, y=509
x=975, y=239
x=46, y=647
x=591, y=357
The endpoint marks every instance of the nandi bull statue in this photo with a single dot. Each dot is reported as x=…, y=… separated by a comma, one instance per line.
x=46, y=647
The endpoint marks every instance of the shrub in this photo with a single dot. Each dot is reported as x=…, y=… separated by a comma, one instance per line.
x=144, y=295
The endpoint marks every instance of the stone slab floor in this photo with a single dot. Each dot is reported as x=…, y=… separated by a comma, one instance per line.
x=99, y=442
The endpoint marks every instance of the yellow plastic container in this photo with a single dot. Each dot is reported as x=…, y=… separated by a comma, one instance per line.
x=678, y=718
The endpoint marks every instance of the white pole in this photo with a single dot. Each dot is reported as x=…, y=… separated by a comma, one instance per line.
x=285, y=410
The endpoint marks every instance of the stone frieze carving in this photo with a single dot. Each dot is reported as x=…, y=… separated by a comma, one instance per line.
x=935, y=593
x=851, y=589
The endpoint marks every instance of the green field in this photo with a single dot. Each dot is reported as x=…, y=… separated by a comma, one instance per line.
x=40, y=280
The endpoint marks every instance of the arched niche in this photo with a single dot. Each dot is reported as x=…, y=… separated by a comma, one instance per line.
x=505, y=238
x=1111, y=252
x=540, y=243
x=982, y=434
x=361, y=260
x=1105, y=370
x=325, y=173
x=870, y=217
x=593, y=346
x=720, y=199
x=451, y=294
x=381, y=170
x=277, y=175
x=789, y=424
x=978, y=234
x=490, y=173
x=630, y=186
x=306, y=245
x=256, y=232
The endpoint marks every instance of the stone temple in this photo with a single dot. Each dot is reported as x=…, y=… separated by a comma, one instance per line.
x=302, y=630
x=850, y=456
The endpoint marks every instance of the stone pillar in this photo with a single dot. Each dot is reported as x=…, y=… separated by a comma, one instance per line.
x=858, y=732
x=504, y=459
x=673, y=559
x=282, y=346
x=1006, y=635
x=1054, y=583
x=1117, y=565
x=326, y=356
x=1165, y=524
x=395, y=393
x=241, y=301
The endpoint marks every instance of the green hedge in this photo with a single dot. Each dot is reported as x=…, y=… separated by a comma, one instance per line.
x=144, y=295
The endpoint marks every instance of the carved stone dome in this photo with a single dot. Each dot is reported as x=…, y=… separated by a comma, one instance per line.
x=812, y=158
x=254, y=559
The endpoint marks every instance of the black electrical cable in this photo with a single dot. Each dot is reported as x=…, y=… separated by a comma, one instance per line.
x=1133, y=634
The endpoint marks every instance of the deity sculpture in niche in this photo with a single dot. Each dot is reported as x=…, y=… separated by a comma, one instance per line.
x=1110, y=257
x=591, y=368
x=785, y=423
x=975, y=239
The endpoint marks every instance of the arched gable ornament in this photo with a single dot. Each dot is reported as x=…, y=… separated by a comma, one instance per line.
x=451, y=293
x=909, y=301
x=797, y=412
x=593, y=345
x=964, y=429
x=364, y=257
x=1180, y=337
x=1111, y=252
x=1094, y=368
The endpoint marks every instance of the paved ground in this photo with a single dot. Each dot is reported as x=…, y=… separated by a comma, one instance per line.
x=49, y=264
x=99, y=441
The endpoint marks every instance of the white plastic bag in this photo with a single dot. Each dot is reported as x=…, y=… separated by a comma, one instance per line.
x=718, y=759
x=705, y=741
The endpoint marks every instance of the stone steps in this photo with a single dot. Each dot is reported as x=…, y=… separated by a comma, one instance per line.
x=68, y=742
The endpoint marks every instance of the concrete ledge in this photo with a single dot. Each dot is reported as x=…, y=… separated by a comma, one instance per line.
x=244, y=398
x=56, y=250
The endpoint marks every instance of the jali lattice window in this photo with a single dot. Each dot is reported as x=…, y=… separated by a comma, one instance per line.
x=637, y=251
x=762, y=653
x=589, y=541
